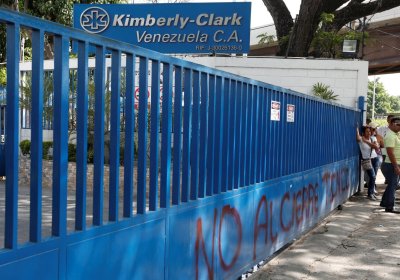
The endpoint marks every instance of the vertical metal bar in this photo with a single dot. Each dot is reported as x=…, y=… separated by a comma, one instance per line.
x=115, y=135
x=263, y=133
x=289, y=133
x=35, y=225
x=187, y=121
x=129, y=135
x=303, y=135
x=203, y=134
x=166, y=136
x=281, y=127
x=256, y=151
x=142, y=138
x=12, y=136
x=60, y=135
x=219, y=118
x=176, y=176
x=195, y=136
x=224, y=136
x=98, y=195
x=211, y=136
x=82, y=139
x=244, y=149
x=276, y=143
x=270, y=129
x=249, y=154
x=295, y=126
x=238, y=124
x=232, y=135
x=154, y=138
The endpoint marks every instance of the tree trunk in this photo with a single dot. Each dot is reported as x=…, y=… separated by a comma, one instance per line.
x=282, y=19
x=305, y=27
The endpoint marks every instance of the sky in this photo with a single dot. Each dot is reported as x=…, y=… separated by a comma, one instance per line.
x=260, y=16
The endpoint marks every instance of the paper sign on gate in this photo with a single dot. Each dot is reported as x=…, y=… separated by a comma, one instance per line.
x=290, y=113
x=275, y=111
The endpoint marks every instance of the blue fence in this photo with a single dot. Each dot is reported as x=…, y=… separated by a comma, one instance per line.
x=229, y=190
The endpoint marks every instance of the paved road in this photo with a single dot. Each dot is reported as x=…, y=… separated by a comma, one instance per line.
x=23, y=211
x=359, y=242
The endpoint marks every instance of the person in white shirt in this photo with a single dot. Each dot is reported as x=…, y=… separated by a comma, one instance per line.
x=367, y=148
x=382, y=130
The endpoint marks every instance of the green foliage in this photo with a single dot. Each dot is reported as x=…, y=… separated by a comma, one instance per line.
x=3, y=76
x=61, y=10
x=264, y=38
x=384, y=103
x=46, y=147
x=328, y=43
x=72, y=152
x=25, y=146
x=26, y=94
x=323, y=91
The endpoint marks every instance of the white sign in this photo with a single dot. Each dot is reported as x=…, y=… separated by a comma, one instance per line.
x=290, y=113
x=275, y=111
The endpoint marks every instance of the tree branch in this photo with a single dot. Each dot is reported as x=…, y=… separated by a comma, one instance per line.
x=355, y=9
x=329, y=6
x=281, y=16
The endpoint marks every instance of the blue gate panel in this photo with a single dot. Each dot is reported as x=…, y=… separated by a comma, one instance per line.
x=41, y=266
x=216, y=177
x=131, y=253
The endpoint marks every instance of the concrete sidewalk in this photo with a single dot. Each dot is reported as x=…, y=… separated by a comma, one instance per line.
x=361, y=241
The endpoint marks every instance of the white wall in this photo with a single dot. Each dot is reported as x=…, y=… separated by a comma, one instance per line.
x=347, y=78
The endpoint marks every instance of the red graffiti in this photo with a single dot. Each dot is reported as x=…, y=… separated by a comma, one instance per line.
x=266, y=225
x=231, y=211
x=200, y=242
x=303, y=201
x=289, y=225
x=296, y=209
x=336, y=184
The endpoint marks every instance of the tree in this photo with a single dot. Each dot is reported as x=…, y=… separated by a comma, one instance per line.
x=309, y=17
x=384, y=103
x=59, y=11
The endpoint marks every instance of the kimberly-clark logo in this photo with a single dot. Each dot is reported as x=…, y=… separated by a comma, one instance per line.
x=94, y=20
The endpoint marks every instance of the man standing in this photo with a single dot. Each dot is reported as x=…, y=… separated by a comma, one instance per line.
x=382, y=131
x=390, y=168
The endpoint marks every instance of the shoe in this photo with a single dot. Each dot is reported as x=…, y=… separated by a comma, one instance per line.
x=371, y=197
x=392, y=210
x=375, y=192
x=375, y=196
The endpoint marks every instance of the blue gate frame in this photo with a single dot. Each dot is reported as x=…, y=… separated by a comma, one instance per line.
x=228, y=191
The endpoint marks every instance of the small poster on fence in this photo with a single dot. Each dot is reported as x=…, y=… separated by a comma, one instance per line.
x=290, y=113
x=275, y=111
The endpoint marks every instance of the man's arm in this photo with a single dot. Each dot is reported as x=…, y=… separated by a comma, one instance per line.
x=392, y=158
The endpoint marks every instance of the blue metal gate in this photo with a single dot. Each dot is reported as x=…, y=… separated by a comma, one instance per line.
x=237, y=168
